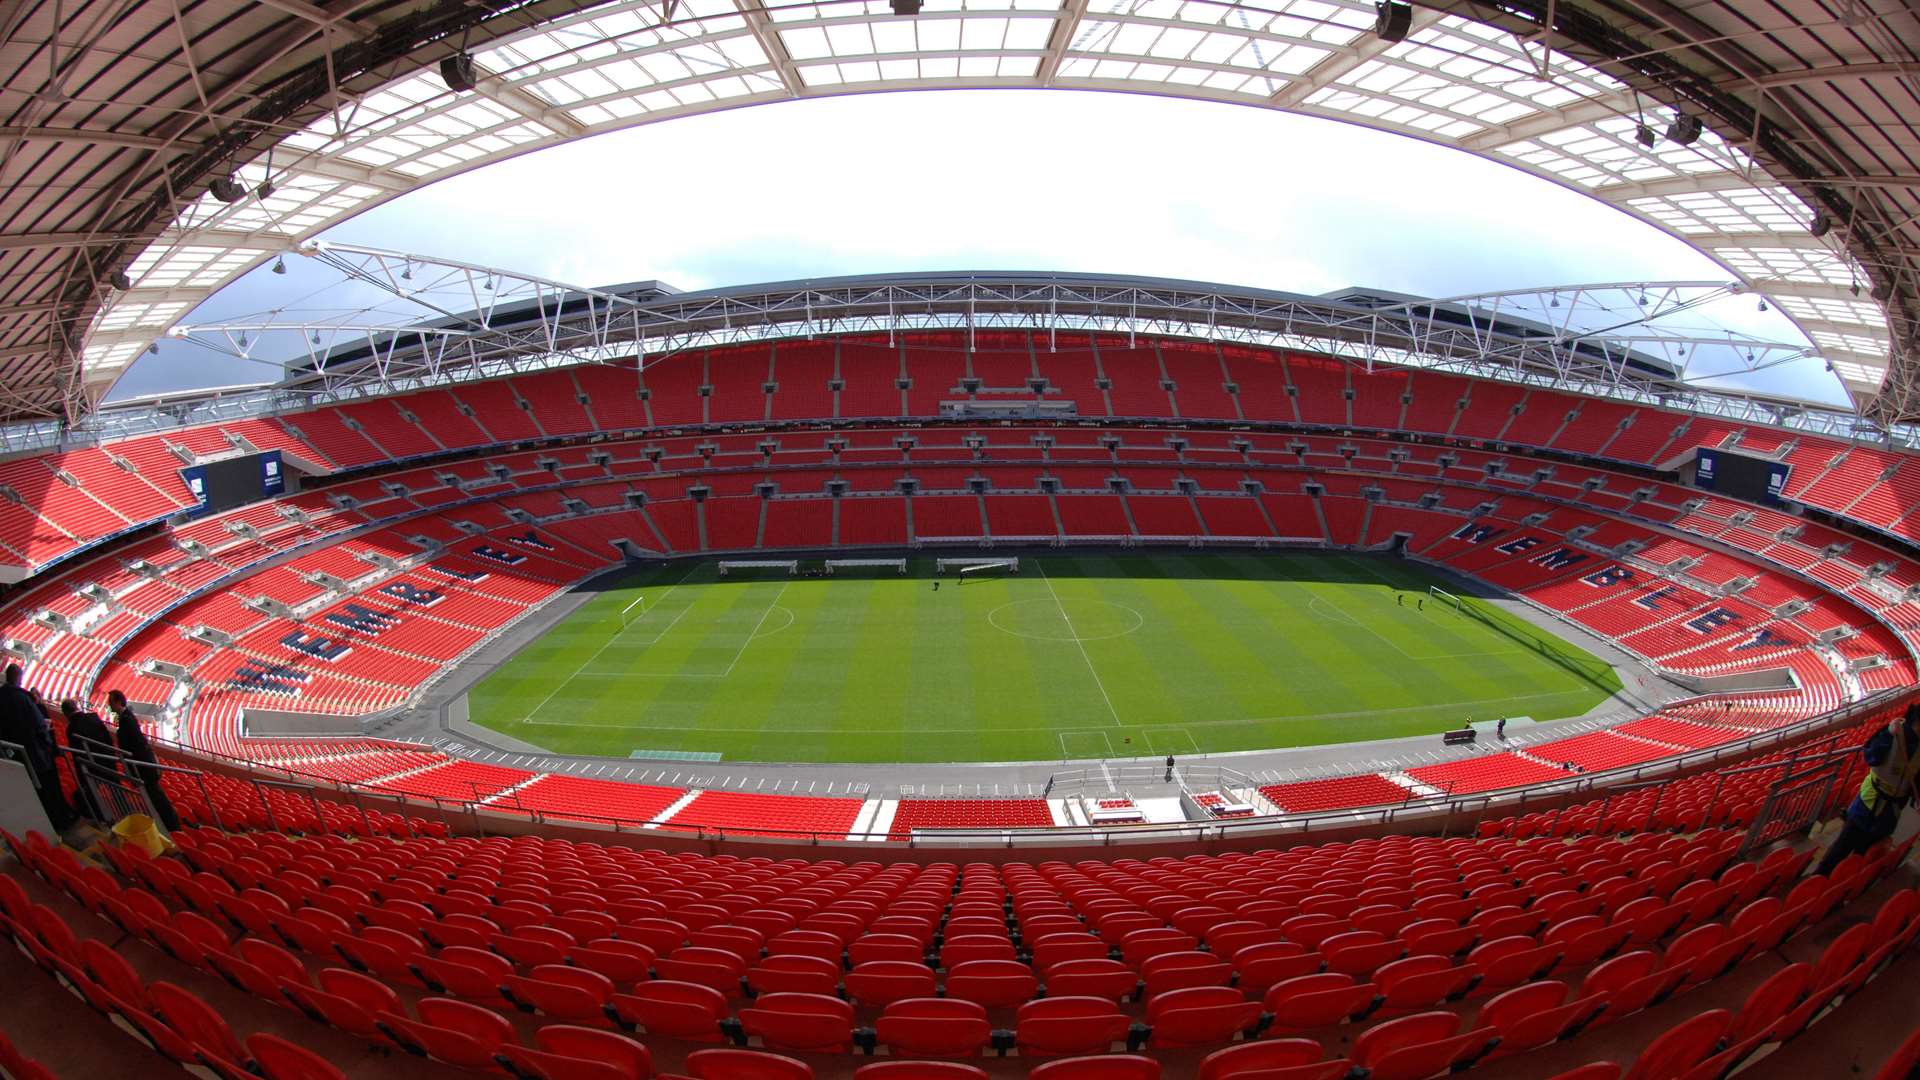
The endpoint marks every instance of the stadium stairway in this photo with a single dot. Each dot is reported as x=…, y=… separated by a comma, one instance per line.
x=57, y=912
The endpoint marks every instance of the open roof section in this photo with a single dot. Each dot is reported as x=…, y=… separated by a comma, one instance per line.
x=116, y=125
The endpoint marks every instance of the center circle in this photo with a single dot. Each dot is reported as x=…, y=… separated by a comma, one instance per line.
x=1065, y=620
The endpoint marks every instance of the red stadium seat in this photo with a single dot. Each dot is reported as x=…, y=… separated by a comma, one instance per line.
x=1273, y=1059
x=1098, y=1067
x=1418, y=983
x=279, y=1059
x=1108, y=979
x=1308, y=1002
x=612, y=1049
x=559, y=990
x=463, y=972
x=881, y=982
x=993, y=983
x=1069, y=1025
x=674, y=1009
x=933, y=1027
x=745, y=1065
x=794, y=974
x=1419, y=1046
x=1682, y=1047
x=1200, y=1014
x=918, y=1070
x=1537, y=1014
x=450, y=1031
x=201, y=1025
x=803, y=1023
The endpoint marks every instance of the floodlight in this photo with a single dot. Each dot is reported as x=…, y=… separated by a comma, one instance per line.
x=226, y=189
x=1645, y=135
x=1821, y=225
x=280, y=265
x=264, y=191
x=906, y=7
x=120, y=281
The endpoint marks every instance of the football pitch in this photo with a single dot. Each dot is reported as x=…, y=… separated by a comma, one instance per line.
x=1077, y=656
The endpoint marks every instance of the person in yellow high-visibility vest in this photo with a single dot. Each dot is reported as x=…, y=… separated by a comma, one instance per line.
x=1893, y=756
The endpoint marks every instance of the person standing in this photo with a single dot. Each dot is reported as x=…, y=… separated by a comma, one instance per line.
x=23, y=721
x=1500, y=729
x=1892, y=755
x=94, y=760
x=141, y=762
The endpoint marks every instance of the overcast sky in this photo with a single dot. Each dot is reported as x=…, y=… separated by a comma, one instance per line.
x=994, y=180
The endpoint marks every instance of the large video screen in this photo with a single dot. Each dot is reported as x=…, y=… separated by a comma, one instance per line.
x=1740, y=476
x=236, y=481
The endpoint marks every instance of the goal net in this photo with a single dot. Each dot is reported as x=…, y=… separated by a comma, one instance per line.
x=1590, y=668
x=977, y=567
x=731, y=567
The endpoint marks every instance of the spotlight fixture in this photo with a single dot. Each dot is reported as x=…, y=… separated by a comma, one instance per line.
x=120, y=281
x=406, y=272
x=487, y=284
x=1392, y=20
x=1821, y=225
x=153, y=348
x=1882, y=291
x=906, y=7
x=1645, y=135
x=458, y=72
x=226, y=189
x=1763, y=305
x=243, y=341
x=1854, y=288
x=265, y=190
x=316, y=337
x=280, y=265
x=1684, y=129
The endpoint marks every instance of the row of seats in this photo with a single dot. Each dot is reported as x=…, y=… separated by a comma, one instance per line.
x=136, y=481
x=790, y=1010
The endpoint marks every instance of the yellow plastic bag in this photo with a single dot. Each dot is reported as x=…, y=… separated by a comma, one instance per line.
x=140, y=831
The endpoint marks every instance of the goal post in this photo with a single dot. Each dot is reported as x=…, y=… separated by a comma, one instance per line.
x=1443, y=596
x=635, y=609
x=976, y=567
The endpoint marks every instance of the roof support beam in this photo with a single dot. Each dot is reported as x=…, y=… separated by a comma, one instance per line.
x=45, y=348
x=1818, y=74
x=534, y=108
x=1585, y=111
x=1065, y=30
x=1798, y=241
x=320, y=17
x=768, y=38
x=1329, y=70
x=1684, y=184
x=93, y=137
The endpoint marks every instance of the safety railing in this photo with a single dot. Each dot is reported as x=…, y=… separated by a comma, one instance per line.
x=1444, y=812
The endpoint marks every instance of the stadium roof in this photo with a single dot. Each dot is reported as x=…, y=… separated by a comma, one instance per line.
x=120, y=113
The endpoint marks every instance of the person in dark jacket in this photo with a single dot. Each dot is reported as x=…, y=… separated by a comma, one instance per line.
x=1892, y=756
x=141, y=762
x=94, y=764
x=23, y=721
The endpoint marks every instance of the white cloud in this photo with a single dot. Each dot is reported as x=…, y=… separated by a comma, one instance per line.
x=1016, y=180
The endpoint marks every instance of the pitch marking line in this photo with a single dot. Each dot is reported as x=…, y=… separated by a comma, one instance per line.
x=1340, y=615
x=1168, y=734
x=1078, y=644
x=771, y=604
x=615, y=636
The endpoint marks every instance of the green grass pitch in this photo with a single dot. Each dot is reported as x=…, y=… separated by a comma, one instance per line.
x=1078, y=656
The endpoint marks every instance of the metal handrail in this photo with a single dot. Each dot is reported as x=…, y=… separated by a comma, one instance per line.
x=1446, y=808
